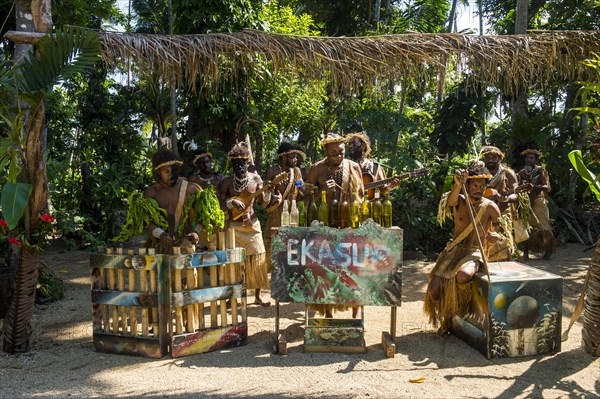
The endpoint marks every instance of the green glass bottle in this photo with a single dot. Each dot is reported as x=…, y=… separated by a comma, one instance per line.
x=334, y=211
x=354, y=212
x=345, y=211
x=301, y=215
x=324, y=210
x=377, y=209
x=313, y=210
x=387, y=211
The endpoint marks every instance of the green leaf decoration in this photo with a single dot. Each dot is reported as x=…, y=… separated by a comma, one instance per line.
x=577, y=161
x=14, y=200
x=140, y=213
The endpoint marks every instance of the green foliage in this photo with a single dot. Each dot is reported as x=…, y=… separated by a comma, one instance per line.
x=140, y=213
x=14, y=201
x=203, y=208
x=49, y=286
x=577, y=162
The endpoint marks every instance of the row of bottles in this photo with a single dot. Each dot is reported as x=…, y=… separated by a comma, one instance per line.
x=339, y=214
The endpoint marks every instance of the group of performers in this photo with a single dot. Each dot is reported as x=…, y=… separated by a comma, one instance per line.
x=483, y=203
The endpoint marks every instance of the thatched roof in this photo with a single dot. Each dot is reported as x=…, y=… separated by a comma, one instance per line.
x=508, y=62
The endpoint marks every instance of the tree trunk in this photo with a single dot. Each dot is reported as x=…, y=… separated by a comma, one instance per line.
x=17, y=327
x=591, y=307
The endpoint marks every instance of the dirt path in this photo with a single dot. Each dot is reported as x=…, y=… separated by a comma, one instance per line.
x=63, y=362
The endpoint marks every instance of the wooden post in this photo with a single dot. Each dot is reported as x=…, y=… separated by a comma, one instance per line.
x=213, y=304
x=133, y=310
x=177, y=288
x=104, y=286
x=190, y=277
x=112, y=285
x=144, y=289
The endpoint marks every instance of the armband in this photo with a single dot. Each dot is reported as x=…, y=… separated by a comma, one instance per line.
x=157, y=232
x=229, y=203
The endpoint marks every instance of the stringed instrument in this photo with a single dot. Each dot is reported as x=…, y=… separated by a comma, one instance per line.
x=247, y=198
x=371, y=185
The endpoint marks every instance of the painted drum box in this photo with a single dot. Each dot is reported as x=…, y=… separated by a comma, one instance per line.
x=517, y=312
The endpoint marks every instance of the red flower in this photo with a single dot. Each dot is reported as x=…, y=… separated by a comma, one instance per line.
x=3, y=223
x=46, y=217
x=13, y=240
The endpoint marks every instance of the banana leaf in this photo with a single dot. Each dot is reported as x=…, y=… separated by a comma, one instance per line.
x=577, y=161
x=14, y=199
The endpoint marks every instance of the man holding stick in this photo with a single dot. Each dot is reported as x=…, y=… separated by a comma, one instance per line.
x=475, y=219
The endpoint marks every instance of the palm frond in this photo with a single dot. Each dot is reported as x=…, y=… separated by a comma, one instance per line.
x=61, y=55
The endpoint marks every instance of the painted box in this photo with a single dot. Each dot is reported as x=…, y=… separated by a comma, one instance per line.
x=517, y=312
x=334, y=335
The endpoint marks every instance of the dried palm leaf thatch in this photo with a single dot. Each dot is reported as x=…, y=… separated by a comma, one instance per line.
x=509, y=62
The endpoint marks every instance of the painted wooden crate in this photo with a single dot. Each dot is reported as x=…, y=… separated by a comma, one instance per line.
x=326, y=266
x=154, y=305
x=517, y=313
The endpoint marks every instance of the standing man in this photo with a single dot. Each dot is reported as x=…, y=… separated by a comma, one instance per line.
x=536, y=179
x=359, y=149
x=501, y=190
x=335, y=173
x=206, y=176
x=237, y=192
x=171, y=192
x=288, y=160
x=448, y=291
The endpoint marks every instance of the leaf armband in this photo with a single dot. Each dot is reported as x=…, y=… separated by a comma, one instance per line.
x=141, y=212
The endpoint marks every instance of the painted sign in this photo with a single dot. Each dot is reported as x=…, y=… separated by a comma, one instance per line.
x=322, y=265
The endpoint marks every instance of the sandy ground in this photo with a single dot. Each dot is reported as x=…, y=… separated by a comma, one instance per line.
x=63, y=362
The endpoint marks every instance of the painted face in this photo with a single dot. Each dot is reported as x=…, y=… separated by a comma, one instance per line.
x=491, y=161
x=291, y=160
x=240, y=167
x=167, y=175
x=530, y=160
x=335, y=153
x=476, y=187
x=205, y=165
x=356, y=148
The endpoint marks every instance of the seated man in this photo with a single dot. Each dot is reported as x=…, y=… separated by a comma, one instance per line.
x=448, y=291
x=171, y=192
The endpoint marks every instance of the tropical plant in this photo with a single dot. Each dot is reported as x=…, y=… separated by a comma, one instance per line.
x=58, y=57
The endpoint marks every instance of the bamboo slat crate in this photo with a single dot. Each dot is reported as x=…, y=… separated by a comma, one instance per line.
x=153, y=305
x=517, y=312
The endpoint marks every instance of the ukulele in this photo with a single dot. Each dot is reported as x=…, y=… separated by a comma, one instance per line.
x=247, y=198
x=371, y=185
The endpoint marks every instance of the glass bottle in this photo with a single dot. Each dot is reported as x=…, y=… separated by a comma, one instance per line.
x=334, y=211
x=294, y=214
x=301, y=214
x=285, y=214
x=377, y=207
x=387, y=211
x=354, y=212
x=365, y=210
x=344, y=212
x=324, y=210
x=313, y=210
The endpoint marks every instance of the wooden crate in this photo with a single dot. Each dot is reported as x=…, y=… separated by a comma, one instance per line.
x=517, y=312
x=153, y=305
x=128, y=302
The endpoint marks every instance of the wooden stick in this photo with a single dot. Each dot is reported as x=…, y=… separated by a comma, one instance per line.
x=223, y=303
x=472, y=217
x=133, y=309
x=177, y=288
x=213, y=304
x=143, y=289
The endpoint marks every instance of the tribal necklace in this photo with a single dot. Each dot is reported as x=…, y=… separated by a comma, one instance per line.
x=335, y=175
x=240, y=185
